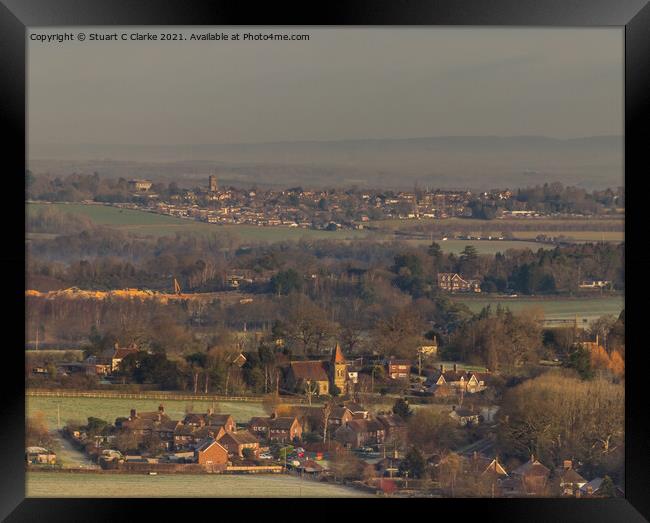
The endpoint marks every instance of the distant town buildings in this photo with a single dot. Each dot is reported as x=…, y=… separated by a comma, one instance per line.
x=453, y=282
x=140, y=185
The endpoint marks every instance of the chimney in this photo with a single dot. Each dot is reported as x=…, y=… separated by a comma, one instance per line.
x=274, y=415
x=568, y=464
x=134, y=414
x=442, y=368
x=454, y=367
x=209, y=411
x=161, y=408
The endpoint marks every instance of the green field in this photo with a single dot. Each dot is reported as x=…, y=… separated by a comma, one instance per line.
x=145, y=223
x=482, y=246
x=578, y=236
x=52, y=484
x=553, y=308
x=79, y=409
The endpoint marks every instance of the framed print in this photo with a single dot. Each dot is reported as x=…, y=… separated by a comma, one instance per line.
x=367, y=256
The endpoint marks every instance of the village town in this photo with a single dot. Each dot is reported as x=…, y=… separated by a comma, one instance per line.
x=320, y=430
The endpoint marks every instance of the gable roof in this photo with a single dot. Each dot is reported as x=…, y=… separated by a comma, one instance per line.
x=282, y=422
x=364, y=425
x=532, y=468
x=571, y=476
x=207, y=443
x=309, y=370
x=391, y=421
x=242, y=437
x=339, y=412
x=121, y=353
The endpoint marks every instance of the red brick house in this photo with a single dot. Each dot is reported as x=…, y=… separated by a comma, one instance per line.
x=236, y=442
x=360, y=432
x=211, y=453
x=284, y=429
x=399, y=369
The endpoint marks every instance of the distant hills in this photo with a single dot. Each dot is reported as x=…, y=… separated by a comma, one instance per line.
x=479, y=162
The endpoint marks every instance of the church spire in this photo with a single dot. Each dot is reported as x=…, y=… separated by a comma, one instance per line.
x=338, y=357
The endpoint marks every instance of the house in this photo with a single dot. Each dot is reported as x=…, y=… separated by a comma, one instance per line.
x=459, y=380
x=211, y=453
x=236, y=442
x=429, y=351
x=360, y=433
x=394, y=426
x=259, y=426
x=595, y=284
x=593, y=489
x=119, y=353
x=453, y=282
x=465, y=417
x=398, y=369
x=532, y=477
x=310, y=467
x=339, y=416
x=570, y=481
x=39, y=456
x=358, y=411
x=284, y=428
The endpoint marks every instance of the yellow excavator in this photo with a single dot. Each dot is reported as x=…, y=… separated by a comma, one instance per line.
x=177, y=287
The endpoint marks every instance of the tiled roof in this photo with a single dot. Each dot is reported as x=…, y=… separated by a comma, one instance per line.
x=309, y=370
x=364, y=425
x=281, y=423
x=242, y=437
x=532, y=468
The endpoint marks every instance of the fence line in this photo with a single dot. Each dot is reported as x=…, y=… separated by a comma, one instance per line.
x=147, y=396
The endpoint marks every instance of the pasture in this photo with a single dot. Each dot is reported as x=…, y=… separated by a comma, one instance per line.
x=52, y=484
x=553, y=308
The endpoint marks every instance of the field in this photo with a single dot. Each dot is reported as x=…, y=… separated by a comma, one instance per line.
x=79, y=409
x=609, y=229
x=52, y=484
x=482, y=246
x=554, y=308
x=144, y=223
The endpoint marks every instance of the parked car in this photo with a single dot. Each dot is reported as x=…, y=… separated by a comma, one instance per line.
x=266, y=455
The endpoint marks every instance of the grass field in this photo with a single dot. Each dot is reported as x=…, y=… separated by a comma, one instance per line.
x=150, y=224
x=52, y=484
x=554, y=308
x=578, y=236
x=482, y=246
x=547, y=222
x=79, y=409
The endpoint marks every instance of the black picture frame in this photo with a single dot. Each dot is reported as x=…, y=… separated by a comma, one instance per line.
x=17, y=15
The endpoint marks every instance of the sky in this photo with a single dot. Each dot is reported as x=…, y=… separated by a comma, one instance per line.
x=344, y=83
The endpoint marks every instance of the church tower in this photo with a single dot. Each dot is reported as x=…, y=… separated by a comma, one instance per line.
x=339, y=369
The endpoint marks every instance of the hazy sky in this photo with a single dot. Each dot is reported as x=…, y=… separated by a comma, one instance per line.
x=343, y=83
